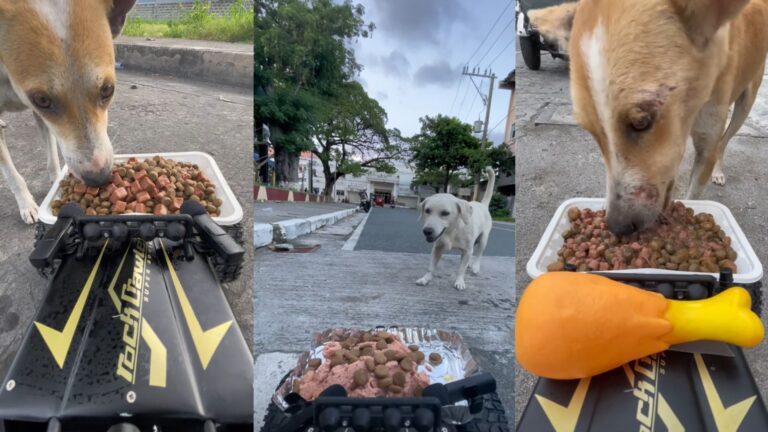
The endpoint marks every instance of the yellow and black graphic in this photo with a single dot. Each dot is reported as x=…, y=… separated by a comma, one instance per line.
x=564, y=418
x=129, y=304
x=643, y=376
x=58, y=342
x=726, y=419
x=206, y=341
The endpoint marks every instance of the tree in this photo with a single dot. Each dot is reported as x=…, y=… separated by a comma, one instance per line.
x=352, y=136
x=446, y=146
x=302, y=57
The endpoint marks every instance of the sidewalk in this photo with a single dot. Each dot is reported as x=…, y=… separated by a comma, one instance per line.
x=282, y=221
x=219, y=62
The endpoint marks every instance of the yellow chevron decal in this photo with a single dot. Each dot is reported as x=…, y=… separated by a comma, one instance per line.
x=206, y=342
x=726, y=419
x=111, y=290
x=564, y=419
x=158, y=359
x=58, y=342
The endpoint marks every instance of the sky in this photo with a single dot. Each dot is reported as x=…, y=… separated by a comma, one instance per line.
x=412, y=63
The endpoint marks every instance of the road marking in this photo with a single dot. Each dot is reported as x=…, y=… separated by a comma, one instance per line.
x=352, y=242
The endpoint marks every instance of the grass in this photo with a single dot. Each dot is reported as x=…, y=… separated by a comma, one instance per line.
x=199, y=24
x=504, y=219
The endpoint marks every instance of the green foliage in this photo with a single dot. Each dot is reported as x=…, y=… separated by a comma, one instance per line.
x=498, y=206
x=200, y=24
x=444, y=145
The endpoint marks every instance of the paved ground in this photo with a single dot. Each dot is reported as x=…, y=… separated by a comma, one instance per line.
x=271, y=212
x=398, y=230
x=301, y=294
x=557, y=161
x=161, y=114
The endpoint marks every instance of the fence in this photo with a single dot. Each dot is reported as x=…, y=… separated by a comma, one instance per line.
x=172, y=9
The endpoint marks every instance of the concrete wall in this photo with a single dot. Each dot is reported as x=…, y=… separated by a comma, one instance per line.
x=169, y=9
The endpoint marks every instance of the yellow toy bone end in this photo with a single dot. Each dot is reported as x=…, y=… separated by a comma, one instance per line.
x=726, y=317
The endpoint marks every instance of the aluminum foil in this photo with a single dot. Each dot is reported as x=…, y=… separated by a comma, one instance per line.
x=457, y=361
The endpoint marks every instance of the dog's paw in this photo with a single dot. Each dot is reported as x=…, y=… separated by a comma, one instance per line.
x=424, y=280
x=459, y=284
x=718, y=178
x=475, y=269
x=29, y=210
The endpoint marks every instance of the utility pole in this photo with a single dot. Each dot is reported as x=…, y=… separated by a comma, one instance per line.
x=475, y=72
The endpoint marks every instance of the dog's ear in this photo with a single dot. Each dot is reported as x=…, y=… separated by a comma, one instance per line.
x=465, y=211
x=118, y=11
x=421, y=208
x=703, y=18
x=554, y=22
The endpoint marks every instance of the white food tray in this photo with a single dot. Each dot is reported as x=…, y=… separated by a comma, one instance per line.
x=231, y=211
x=750, y=268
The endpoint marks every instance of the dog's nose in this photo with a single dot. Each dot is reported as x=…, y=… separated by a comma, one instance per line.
x=97, y=178
x=428, y=231
x=620, y=226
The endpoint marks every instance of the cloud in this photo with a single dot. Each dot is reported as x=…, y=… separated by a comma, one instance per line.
x=395, y=63
x=440, y=74
x=422, y=22
x=381, y=96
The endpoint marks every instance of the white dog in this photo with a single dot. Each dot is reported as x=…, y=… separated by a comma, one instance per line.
x=453, y=223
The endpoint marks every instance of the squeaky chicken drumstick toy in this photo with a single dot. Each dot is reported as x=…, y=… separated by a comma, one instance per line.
x=573, y=325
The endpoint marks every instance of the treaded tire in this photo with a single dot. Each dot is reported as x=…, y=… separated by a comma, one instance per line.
x=229, y=273
x=492, y=418
x=529, y=46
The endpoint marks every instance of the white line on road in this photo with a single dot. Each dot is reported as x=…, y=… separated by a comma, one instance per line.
x=352, y=242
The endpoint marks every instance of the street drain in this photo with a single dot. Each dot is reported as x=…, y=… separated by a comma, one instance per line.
x=290, y=248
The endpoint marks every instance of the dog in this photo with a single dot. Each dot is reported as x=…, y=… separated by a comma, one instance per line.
x=647, y=75
x=453, y=223
x=57, y=60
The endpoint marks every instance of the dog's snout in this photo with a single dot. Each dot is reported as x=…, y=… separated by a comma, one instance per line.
x=620, y=227
x=97, y=177
x=429, y=232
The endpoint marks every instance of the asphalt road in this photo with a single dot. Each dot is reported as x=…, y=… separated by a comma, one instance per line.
x=159, y=115
x=299, y=294
x=398, y=230
x=557, y=161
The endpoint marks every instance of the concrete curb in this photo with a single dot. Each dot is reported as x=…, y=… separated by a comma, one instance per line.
x=278, y=232
x=213, y=64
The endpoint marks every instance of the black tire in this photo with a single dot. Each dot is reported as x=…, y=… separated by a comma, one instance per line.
x=229, y=272
x=529, y=46
x=492, y=418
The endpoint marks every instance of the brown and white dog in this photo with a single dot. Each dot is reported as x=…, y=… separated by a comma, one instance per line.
x=646, y=75
x=57, y=59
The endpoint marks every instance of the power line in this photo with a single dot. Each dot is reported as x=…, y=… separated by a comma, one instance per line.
x=466, y=92
x=475, y=98
x=502, y=51
x=495, y=40
x=455, y=95
x=497, y=124
x=489, y=32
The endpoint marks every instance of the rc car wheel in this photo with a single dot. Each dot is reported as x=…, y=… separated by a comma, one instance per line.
x=225, y=272
x=491, y=419
x=529, y=46
x=236, y=232
x=274, y=419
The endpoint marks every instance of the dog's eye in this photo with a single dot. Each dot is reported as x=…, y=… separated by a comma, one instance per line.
x=107, y=90
x=640, y=120
x=428, y=211
x=444, y=213
x=41, y=100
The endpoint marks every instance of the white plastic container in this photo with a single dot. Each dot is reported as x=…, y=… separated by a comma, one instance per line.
x=231, y=211
x=750, y=268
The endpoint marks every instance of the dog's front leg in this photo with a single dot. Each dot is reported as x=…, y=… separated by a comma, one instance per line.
x=707, y=132
x=466, y=257
x=51, y=148
x=27, y=206
x=437, y=252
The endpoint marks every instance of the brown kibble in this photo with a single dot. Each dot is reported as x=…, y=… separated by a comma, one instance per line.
x=379, y=358
x=407, y=365
x=360, y=377
x=413, y=347
x=435, y=358
x=398, y=378
x=390, y=354
x=385, y=383
x=370, y=364
x=296, y=386
x=396, y=389
x=381, y=371
x=381, y=345
x=314, y=363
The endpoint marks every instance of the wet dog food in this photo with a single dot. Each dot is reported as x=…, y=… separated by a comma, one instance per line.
x=681, y=241
x=156, y=185
x=384, y=367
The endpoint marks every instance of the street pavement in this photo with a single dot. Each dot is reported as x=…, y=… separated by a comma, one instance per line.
x=557, y=161
x=159, y=115
x=299, y=294
x=271, y=212
x=398, y=230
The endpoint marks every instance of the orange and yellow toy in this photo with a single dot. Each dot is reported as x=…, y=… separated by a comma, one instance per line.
x=573, y=325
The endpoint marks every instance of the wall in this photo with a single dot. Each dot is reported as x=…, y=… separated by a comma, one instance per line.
x=172, y=9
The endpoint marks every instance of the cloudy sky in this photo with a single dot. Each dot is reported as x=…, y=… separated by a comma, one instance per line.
x=412, y=64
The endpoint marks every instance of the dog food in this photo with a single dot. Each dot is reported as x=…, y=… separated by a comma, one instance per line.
x=366, y=365
x=155, y=185
x=681, y=241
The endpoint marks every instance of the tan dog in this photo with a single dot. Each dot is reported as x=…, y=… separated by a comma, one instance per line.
x=453, y=223
x=57, y=59
x=646, y=75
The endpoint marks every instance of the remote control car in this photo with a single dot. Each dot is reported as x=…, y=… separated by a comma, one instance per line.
x=134, y=333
